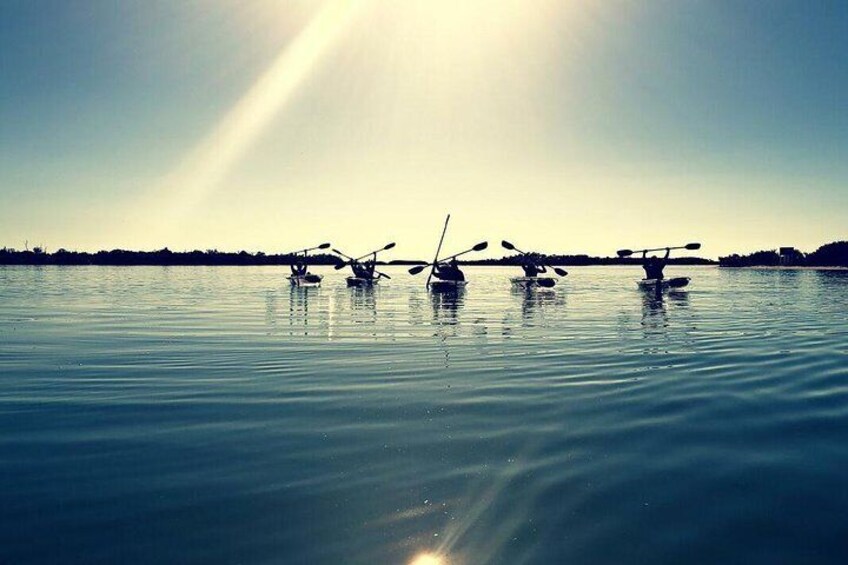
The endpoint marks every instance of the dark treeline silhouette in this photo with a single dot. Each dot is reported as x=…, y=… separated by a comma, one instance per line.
x=160, y=257
x=585, y=260
x=769, y=258
x=215, y=257
x=829, y=255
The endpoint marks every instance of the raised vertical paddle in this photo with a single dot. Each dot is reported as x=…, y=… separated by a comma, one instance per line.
x=438, y=250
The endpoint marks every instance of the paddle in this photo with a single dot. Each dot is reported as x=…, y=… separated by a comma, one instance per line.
x=438, y=250
x=342, y=264
x=628, y=252
x=511, y=247
x=384, y=248
x=351, y=260
x=479, y=247
x=308, y=249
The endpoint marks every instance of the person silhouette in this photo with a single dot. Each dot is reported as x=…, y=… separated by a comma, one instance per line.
x=369, y=267
x=359, y=270
x=364, y=269
x=654, y=265
x=531, y=267
x=299, y=268
x=449, y=271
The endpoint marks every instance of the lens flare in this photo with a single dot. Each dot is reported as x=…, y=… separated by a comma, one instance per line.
x=428, y=559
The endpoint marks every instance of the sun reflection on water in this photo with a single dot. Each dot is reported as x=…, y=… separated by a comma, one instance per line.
x=428, y=559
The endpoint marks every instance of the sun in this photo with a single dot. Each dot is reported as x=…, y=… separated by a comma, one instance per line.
x=428, y=559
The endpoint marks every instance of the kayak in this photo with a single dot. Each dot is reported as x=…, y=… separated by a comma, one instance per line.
x=359, y=282
x=651, y=284
x=305, y=280
x=533, y=282
x=447, y=286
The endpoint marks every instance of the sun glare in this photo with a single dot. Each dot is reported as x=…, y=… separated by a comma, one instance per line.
x=412, y=78
x=216, y=155
x=428, y=559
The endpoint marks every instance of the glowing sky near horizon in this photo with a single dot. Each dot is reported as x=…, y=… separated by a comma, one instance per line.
x=565, y=127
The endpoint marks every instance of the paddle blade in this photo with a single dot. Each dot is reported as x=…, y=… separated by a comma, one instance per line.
x=337, y=252
x=481, y=246
x=418, y=269
x=560, y=272
x=340, y=266
x=324, y=246
x=693, y=246
x=385, y=276
x=546, y=283
x=389, y=246
x=624, y=252
x=507, y=245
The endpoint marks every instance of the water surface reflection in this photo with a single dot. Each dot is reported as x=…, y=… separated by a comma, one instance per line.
x=446, y=305
x=591, y=424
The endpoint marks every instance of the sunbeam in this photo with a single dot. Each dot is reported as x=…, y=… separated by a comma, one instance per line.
x=216, y=155
x=479, y=502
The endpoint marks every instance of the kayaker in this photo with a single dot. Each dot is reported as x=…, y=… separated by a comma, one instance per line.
x=369, y=267
x=654, y=265
x=299, y=269
x=531, y=267
x=359, y=270
x=449, y=271
x=363, y=270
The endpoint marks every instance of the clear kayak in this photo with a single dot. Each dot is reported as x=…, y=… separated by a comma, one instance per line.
x=360, y=282
x=305, y=280
x=651, y=284
x=447, y=286
x=533, y=282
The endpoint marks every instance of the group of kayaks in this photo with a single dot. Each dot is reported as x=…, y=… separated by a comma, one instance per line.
x=445, y=274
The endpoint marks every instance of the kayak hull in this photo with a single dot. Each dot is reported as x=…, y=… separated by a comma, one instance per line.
x=667, y=284
x=358, y=282
x=447, y=286
x=533, y=282
x=305, y=280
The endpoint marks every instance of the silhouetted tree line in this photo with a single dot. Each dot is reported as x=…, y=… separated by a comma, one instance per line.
x=829, y=255
x=160, y=257
x=768, y=258
x=214, y=257
x=585, y=260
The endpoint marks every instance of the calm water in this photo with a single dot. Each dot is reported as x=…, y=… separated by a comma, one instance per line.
x=215, y=415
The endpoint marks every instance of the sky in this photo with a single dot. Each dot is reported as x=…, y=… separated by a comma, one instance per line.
x=565, y=127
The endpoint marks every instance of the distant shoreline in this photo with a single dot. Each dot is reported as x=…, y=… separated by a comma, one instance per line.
x=213, y=258
x=786, y=268
x=379, y=264
x=830, y=256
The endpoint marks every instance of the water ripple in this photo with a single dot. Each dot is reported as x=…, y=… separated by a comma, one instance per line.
x=216, y=415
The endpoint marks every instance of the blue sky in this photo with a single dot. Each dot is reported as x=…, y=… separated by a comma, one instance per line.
x=568, y=127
